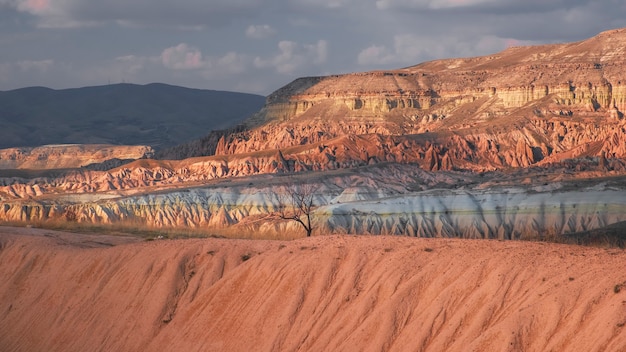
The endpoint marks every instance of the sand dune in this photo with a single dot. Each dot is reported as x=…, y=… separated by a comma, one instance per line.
x=65, y=292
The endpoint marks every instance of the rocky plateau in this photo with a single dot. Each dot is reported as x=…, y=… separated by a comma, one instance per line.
x=525, y=143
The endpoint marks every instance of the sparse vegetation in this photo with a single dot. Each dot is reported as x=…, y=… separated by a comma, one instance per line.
x=612, y=236
x=428, y=249
x=150, y=233
x=245, y=257
x=297, y=204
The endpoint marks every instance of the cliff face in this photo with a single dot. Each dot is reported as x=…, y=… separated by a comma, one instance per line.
x=513, y=109
x=389, y=201
x=534, y=115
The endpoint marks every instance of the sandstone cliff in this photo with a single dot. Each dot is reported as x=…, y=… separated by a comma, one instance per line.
x=531, y=116
x=393, y=199
x=512, y=109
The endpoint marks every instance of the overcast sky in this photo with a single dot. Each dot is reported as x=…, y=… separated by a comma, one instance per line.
x=258, y=46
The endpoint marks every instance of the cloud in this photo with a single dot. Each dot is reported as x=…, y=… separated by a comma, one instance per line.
x=432, y=4
x=260, y=31
x=324, y=4
x=410, y=49
x=183, y=13
x=293, y=56
x=138, y=40
x=376, y=55
x=182, y=57
x=34, y=6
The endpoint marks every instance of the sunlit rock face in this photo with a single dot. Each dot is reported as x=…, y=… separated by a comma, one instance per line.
x=503, y=140
x=392, y=200
x=512, y=109
x=68, y=156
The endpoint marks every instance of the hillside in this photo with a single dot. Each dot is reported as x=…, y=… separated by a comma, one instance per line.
x=528, y=143
x=70, y=292
x=157, y=115
x=520, y=107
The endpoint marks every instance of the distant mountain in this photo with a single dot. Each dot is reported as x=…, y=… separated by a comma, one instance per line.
x=158, y=115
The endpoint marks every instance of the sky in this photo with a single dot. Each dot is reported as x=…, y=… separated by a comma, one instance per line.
x=257, y=46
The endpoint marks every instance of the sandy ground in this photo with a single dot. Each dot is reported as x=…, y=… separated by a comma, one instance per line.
x=69, y=292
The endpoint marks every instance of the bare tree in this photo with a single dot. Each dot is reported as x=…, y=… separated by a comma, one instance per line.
x=297, y=203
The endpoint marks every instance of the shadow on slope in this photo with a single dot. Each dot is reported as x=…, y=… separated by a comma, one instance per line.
x=613, y=235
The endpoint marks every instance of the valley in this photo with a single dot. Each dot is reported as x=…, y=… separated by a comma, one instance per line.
x=526, y=142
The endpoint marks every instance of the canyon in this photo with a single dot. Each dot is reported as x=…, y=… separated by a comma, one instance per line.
x=447, y=148
x=468, y=204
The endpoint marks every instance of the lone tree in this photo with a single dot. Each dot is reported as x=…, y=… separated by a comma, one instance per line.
x=297, y=203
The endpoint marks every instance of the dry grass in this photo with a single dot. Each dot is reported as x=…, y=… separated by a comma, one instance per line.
x=612, y=236
x=149, y=233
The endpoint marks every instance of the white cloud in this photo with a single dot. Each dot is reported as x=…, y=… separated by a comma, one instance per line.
x=293, y=56
x=231, y=63
x=375, y=55
x=327, y=4
x=182, y=57
x=50, y=13
x=432, y=4
x=187, y=13
x=410, y=49
x=407, y=49
x=260, y=31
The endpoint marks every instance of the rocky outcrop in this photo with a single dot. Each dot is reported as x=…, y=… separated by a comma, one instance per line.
x=474, y=128
x=69, y=156
x=512, y=109
x=389, y=201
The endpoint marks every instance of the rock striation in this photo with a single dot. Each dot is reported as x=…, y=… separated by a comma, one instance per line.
x=394, y=199
x=445, y=148
x=75, y=292
x=511, y=109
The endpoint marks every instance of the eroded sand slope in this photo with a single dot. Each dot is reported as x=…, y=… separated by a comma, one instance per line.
x=63, y=292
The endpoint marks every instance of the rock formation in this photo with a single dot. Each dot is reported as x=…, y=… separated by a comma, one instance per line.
x=477, y=129
x=68, y=156
x=512, y=109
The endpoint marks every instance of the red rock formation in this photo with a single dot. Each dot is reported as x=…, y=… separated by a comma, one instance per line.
x=511, y=109
x=68, y=156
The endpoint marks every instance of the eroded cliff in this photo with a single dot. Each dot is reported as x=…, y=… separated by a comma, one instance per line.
x=68, y=156
x=477, y=128
x=512, y=109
